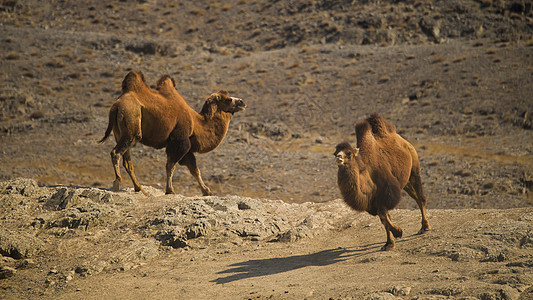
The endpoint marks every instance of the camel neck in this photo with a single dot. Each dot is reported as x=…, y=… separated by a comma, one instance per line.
x=350, y=187
x=211, y=131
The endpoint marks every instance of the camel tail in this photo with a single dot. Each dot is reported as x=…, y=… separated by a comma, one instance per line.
x=112, y=119
x=134, y=82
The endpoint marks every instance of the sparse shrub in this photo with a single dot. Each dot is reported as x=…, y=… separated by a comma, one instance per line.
x=56, y=63
x=383, y=79
x=36, y=115
x=226, y=7
x=459, y=59
x=485, y=3
x=12, y=56
x=198, y=12
x=44, y=90
x=437, y=59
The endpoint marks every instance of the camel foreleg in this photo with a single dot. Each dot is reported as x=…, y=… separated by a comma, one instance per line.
x=391, y=229
x=176, y=149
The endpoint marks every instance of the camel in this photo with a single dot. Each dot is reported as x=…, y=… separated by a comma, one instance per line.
x=371, y=176
x=162, y=118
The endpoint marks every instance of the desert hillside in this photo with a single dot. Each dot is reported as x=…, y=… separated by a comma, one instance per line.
x=455, y=78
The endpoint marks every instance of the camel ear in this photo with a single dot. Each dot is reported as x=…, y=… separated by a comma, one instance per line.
x=356, y=152
x=210, y=107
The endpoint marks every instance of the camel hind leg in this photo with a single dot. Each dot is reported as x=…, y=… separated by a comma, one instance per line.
x=122, y=150
x=414, y=189
x=128, y=165
x=190, y=161
x=123, y=146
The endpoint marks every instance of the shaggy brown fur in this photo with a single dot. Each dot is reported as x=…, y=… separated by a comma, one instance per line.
x=371, y=176
x=161, y=118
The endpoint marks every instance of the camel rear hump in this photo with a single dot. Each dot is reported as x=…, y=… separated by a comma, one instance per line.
x=134, y=82
x=165, y=82
x=380, y=127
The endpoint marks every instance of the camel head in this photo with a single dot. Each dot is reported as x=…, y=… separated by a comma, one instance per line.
x=345, y=154
x=222, y=102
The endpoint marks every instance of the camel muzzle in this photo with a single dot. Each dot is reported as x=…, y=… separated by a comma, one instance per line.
x=239, y=104
x=339, y=158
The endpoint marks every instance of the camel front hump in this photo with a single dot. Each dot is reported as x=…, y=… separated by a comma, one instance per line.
x=371, y=176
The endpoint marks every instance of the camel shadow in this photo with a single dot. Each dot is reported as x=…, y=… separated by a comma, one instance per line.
x=271, y=266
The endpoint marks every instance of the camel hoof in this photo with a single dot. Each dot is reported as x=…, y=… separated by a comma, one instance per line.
x=116, y=186
x=142, y=191
x=423, y=230
x=170, y=192
x=387, y=247
x=207, y=192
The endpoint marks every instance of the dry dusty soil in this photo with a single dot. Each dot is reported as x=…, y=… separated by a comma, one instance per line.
x=455, y=77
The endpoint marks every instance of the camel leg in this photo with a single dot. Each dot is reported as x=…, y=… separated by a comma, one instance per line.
x=128, y=165
x=122, y=147
x=176, y=149
x=190, y=161
x=115, y=158
x=414, y=189
x=391, y=229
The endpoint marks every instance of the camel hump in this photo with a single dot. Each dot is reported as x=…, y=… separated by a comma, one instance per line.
x=380, y=127
x=134, y=82
x=165, y=82
x=363, y=132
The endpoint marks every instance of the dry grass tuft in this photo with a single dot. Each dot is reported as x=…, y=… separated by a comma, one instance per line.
x=437, y=59
x=383, y=79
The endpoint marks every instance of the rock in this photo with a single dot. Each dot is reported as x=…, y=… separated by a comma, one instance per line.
x=197, y=229
x=25, y=187
x=293, y=234
x=381, y=296
x=6, y=272
x=172, y=237
x=82, y=270
x=448, y=291
x=61, y=199
x=243, y=205
x=18, y=245
x=96, y=195
x=26, y=263
x=507, y=293
x=400, y=290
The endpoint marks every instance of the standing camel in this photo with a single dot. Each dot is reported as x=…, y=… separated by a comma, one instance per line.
x=371, y=176
x=162, y=118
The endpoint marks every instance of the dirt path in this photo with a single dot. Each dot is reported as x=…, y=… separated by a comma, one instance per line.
x=97, y=244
